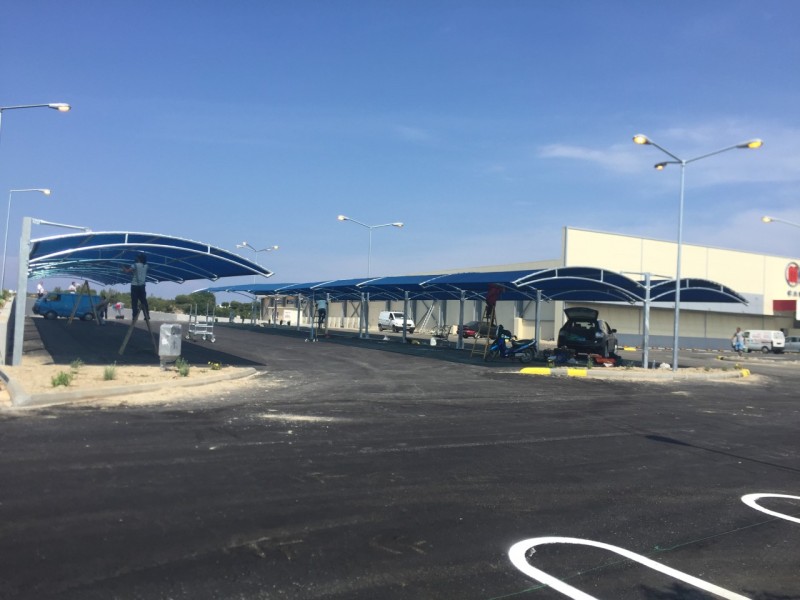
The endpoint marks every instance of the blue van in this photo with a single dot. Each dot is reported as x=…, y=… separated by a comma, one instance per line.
x=56, y=305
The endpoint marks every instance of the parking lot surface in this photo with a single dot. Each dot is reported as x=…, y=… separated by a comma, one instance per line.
x=347, y=471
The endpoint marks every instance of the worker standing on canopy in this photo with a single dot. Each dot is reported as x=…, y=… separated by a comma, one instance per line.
x=138, y=281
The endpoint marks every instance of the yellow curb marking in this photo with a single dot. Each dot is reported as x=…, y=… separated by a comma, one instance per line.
x=576, y=372
x=536, y=371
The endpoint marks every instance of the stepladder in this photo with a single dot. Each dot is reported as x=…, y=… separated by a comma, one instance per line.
x=130, y=332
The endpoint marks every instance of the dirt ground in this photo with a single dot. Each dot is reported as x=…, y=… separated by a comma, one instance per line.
x=36, y=376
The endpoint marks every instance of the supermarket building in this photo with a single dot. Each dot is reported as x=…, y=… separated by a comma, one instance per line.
x=768, y=284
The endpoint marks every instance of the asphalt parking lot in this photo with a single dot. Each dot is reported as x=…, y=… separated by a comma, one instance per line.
x=346, y=471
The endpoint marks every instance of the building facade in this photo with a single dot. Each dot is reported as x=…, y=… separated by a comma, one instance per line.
x=769, y=283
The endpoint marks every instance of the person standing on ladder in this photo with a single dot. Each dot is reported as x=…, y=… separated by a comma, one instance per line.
x=138, y=281
x=322, y=311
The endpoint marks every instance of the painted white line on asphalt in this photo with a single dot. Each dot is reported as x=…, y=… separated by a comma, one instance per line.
x=752, y=501
x=517, y=553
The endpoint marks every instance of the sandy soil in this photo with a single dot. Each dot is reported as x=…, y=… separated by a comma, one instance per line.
x=36, y=377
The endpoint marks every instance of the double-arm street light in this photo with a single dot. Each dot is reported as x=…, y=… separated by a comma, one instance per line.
x=767, y=219
x=370, y=227
x=644, y=140
x=247, y=245
x=267, y=249
x=44, y=191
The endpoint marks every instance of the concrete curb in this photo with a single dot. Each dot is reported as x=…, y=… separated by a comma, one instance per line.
x=21, y=399
x=626, y=375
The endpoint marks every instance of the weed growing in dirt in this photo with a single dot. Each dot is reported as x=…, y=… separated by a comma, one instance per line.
x=110, y=372
x=63, y=378
x=182, y=366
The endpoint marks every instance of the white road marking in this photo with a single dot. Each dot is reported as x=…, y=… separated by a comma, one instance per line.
x=517, y=554
x=752, y=501
x=303, y=418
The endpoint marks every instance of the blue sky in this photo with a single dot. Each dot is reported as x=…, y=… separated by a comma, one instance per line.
x=485, y=126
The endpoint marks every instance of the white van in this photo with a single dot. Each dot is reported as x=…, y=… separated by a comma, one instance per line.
x=394, y=320
x=764, y=340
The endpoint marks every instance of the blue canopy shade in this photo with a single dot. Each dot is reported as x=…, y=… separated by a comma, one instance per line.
x=100, y=256
x=583, y=284
x=572, y=284
x=694, y=290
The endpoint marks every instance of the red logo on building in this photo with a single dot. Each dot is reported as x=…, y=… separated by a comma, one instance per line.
x=792, y=274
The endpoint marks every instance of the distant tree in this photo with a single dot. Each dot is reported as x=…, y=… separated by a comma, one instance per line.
x=160, y=304
x=185, y=302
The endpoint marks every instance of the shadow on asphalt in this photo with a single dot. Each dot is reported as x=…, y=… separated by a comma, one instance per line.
x=421, y=347
x=99, y=345
x=240, y=345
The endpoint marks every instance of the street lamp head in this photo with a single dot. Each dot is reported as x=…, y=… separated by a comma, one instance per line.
x=641, y=139
x=242, y=245
x=343, y=218
x=660, y=166
x=752, y=144
x=766, y=219
x=45, y=191
x=60, y=106
x=274, y=247
x=397, y=224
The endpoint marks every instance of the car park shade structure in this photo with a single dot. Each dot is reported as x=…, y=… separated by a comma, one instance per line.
x=100, y=256
x=571, y=284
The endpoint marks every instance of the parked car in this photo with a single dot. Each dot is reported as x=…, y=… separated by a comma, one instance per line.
x=57, y=305
x=586, y=334
x=792, y=344
x=477, y=329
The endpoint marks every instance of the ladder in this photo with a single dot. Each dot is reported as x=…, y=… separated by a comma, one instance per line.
x=427, y=317
x=490, y=320
x=130, y=331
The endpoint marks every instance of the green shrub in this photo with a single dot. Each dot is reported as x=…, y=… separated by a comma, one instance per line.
x=182, y=366
x=76, y=364
x=110, y=372
x=63, y=378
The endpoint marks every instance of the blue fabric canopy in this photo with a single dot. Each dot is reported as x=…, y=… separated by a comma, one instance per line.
x=583, y=284
x=100, y=256
x=573, y=284
x=694, y=290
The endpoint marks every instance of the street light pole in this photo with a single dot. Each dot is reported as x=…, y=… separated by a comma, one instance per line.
x=767, y=219
x=59, y=106
x=267, y=249
x=644, y=140
x=370, y=228
x=44, y=191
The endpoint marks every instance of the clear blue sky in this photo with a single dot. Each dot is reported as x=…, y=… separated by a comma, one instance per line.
x=484, y=126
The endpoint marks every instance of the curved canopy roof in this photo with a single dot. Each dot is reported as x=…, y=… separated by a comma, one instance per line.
x=100, y=256
x=583, y=284
x=694, y=290
x=575, y=284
